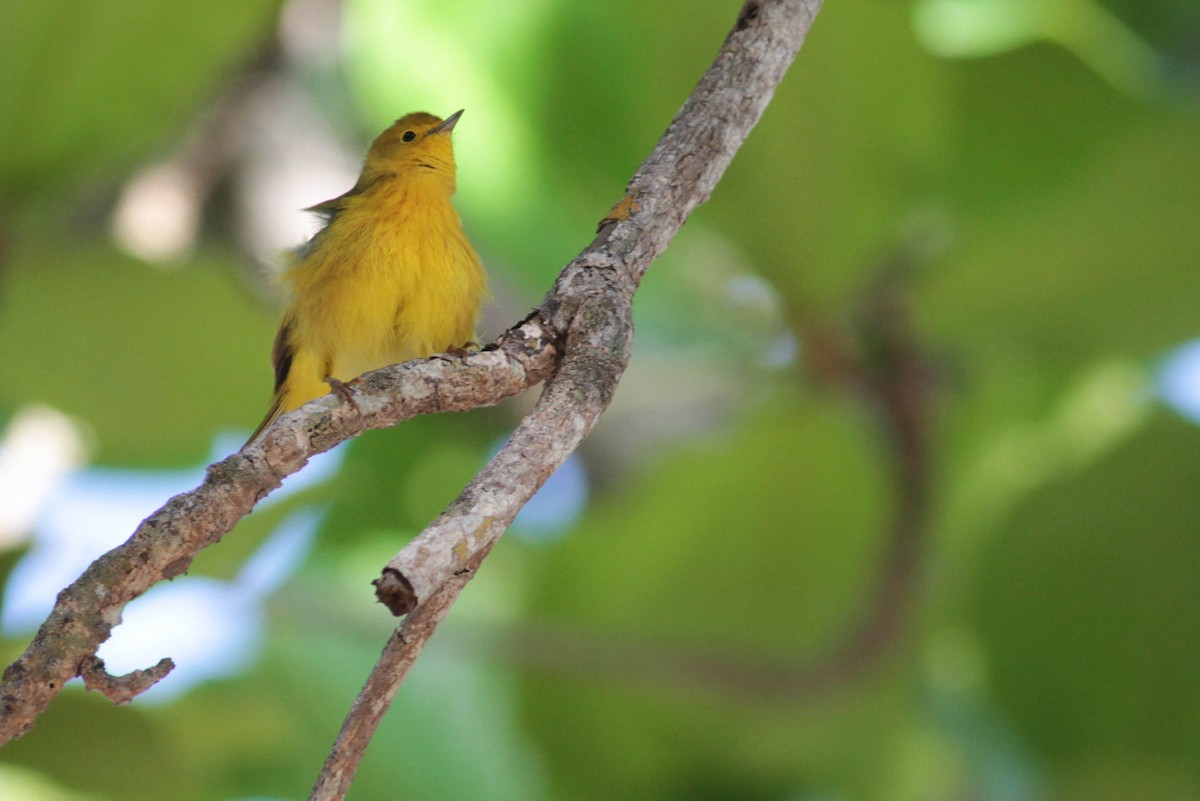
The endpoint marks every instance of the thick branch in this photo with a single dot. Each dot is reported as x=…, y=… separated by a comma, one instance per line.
x=595, y=357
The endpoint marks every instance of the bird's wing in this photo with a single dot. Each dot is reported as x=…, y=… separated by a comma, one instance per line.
x=282, y=353
x=330, y=208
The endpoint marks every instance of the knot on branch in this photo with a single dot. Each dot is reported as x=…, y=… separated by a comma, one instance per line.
x=533, y=337
x=395, y=592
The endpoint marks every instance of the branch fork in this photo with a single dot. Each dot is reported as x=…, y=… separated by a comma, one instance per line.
x=578, y=341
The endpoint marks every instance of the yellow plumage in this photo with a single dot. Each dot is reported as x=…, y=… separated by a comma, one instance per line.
x=391, y=276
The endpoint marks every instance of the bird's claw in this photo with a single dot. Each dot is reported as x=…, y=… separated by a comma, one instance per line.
x=459, y=351
x=342, y=390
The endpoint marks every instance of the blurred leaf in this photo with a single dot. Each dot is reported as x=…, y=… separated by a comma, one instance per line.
x=103, y=761
x=847, y=151
x=1085, y=602
x=754, y=549
x=450, y=734
x=595, y=131
x=1119, y=779
x=971, y=28
x=1026, y=121
x=90, y=85
x=155, y=362
x=1011, y=437
x=1099, y=267
x=402, y=478
x=743, y=508
x=1172, y=26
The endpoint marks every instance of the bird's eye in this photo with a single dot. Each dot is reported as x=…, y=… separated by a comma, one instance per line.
x=409, y=136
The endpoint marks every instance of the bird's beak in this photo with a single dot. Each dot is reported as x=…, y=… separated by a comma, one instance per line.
x=447, y=125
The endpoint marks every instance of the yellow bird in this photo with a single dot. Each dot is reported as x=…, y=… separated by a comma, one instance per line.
x=390, y=277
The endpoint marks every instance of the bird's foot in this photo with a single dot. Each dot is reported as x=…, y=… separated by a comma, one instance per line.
x=342, y=390
x=459, y=351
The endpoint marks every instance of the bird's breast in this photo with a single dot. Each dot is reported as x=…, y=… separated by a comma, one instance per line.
x=389, y=281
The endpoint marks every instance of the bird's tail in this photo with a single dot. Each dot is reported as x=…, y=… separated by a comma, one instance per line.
x=274, y=412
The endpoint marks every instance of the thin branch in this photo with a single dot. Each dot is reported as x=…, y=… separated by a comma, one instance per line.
x=888, y=371
x=899, y=385
x=372, y=703
x=122, y=689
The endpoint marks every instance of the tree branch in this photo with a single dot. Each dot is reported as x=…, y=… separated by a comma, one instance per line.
x=165, y=543
x=121, y=689
x=884, y=365
x=881, y=361
x=591, y=299
x=591, y=302
x=376, y=696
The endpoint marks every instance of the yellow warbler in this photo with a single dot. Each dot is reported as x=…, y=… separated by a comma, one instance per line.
x=390, y=276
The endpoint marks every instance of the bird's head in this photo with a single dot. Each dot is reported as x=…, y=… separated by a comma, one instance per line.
x=414, y=145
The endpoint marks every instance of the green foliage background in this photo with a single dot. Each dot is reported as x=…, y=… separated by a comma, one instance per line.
x=1041, y=185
